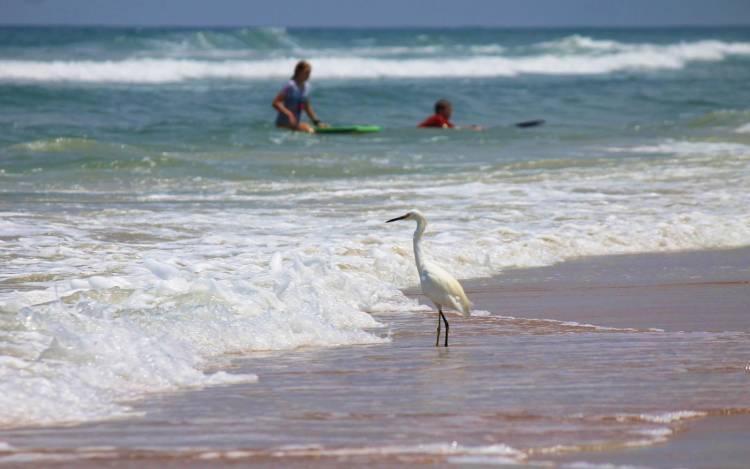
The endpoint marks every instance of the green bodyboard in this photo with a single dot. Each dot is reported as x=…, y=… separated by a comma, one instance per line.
x=348, y=129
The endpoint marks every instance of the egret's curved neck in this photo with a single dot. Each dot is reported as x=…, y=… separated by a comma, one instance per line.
x=418, y=254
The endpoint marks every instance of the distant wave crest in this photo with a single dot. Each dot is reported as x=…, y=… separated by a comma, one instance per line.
x=574, y=55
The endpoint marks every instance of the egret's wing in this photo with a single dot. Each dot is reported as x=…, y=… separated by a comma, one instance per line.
x=442, y=284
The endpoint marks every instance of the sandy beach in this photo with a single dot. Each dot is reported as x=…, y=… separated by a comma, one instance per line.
x=696, y=291
x=505, y=393
x=712, y=442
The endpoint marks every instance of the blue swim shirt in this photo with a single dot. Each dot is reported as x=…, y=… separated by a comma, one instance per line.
x=294, y=100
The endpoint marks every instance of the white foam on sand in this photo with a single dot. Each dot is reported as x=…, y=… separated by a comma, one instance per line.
x=589, y=465
x=663, y=418
x=669, y=417
x=455, y=452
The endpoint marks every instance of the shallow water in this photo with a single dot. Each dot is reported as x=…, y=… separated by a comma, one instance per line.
x=508, y=390
x=152, y=221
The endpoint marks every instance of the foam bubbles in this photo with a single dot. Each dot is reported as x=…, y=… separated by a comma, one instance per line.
x=106, y=340
x=670, y=417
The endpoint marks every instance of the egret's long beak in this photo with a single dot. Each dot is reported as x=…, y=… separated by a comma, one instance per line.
x=398, y=218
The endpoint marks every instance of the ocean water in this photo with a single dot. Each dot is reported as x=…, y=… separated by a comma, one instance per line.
x=154, y=224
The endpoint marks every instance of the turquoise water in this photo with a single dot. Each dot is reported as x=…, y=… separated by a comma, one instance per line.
x=153, y=220
x=144, y=92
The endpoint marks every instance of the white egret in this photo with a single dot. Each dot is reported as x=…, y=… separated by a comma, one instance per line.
x=437, y=284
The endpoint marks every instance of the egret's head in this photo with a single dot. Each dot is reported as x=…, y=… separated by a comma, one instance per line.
x=415, y=215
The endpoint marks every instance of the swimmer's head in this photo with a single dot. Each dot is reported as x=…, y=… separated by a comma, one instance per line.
x=302, y=70
x=444, y=108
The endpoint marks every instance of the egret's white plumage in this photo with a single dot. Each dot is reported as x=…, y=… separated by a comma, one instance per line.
x=437, y=284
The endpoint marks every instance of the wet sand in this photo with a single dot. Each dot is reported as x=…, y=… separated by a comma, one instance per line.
x=695, y=291
x=721, y=442
x=692, y=291
x=504, y=384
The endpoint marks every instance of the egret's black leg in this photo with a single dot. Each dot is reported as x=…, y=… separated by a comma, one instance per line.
x=437, y=340
x=446, y=327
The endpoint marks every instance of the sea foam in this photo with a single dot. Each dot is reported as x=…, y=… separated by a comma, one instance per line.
x=107, y=340
x=143, y=298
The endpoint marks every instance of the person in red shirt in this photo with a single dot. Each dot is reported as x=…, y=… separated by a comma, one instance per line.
x=441, y=118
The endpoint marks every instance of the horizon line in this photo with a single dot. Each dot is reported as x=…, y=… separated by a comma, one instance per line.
x=403, y=26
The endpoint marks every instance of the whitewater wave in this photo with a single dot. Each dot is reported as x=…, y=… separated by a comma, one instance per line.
x=92, y=342
x=588, y=57
x=118, y=320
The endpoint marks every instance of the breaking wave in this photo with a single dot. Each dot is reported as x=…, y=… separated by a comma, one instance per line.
x=569, y=56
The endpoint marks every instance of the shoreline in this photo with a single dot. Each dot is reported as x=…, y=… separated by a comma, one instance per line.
x=593, y=290
x=699, y=444
x=318, y=406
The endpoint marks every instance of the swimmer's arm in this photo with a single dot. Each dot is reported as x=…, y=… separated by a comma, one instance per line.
x=311, y=113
